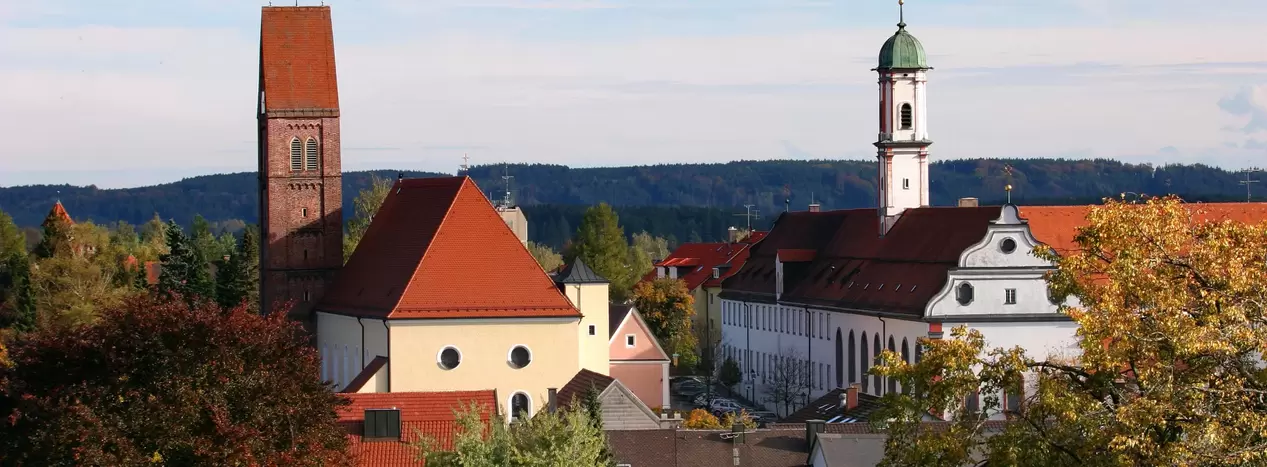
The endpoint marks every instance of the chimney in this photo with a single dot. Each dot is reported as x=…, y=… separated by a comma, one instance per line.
x=849, y=400
x=967, y=202
x=732, y=234
x=812, y=429
x=552, y=399
x=815, y=207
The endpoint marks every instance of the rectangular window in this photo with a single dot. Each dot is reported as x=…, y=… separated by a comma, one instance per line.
x=906, y=183
x=593, y=329
x=1009, y=296
x=629, y=340
x=303, y=212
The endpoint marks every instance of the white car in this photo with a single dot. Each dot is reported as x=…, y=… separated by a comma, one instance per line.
x=724, y=406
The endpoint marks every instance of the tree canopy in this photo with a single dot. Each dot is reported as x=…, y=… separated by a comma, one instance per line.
x=547, y=439
x=184, y=270
x=1170, y=314
x=600, y=242
x=546, y=257
x=669, y=310
x=154, y=381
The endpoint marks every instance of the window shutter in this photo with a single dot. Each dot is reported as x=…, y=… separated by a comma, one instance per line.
x=296, y=154
x=312, y=155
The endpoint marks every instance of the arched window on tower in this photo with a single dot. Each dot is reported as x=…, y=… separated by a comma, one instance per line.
x=906, y=116
x=310, y=153
x=296, y=155
x=866, y=379
x=853, y=358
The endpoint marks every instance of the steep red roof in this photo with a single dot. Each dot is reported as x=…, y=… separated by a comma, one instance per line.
x=58, y=211
x=297, y=58
x=426, y=413
x=701, y=258
x=438, y=249
x=853, y=266
x=1058, y=225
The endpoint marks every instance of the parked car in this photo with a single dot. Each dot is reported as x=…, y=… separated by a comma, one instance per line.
x=676, y=381
x=690, y=390
x=763, y=416
x=720, y=407
x=705, y=400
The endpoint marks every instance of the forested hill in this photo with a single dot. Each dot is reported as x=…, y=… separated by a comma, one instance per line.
x=549, y=190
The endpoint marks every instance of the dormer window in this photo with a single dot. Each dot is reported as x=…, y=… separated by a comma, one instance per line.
x=659, y=272
x=716, y=273
x=906, y=116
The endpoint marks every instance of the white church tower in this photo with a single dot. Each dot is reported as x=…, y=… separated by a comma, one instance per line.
x=903, y=142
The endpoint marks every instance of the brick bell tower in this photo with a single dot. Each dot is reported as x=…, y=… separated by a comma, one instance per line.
x=301, y=209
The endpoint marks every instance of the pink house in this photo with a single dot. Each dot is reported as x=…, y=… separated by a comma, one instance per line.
x=637, y=360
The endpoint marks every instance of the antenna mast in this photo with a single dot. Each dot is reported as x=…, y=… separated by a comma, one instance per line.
x=506, y=176
x=1247, y=181
x=466, y=164
x=750, y=215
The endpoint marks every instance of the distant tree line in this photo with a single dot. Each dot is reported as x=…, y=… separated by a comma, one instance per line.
x=709, y=195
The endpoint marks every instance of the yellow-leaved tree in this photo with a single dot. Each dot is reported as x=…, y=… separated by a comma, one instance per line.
x=668, y=308
x=1170, y=308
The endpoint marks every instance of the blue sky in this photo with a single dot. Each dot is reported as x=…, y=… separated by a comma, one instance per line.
x=135, y=92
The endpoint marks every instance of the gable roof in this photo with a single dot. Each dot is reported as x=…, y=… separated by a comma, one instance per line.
x=631, y=312
x=828, y=409
x=583, y=381
x=431, y=413
x=297, y=58
x=579, y=273
x=853, y=266
x=701, y=258
x=438, y=249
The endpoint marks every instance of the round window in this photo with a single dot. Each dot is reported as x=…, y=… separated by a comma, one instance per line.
x=1007, y=245
x=520, y=356
x=450, y=358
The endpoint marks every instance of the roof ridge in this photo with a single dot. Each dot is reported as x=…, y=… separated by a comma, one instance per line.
x=422, y=259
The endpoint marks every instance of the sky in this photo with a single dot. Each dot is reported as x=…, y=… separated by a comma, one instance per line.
x=125, y=93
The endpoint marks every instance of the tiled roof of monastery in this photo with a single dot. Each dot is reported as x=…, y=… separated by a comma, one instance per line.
x=703, y=257
x=427, y=413
x=297, y=58
x=438, y=249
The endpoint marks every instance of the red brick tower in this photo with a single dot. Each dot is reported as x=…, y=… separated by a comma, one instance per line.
x=301, y=209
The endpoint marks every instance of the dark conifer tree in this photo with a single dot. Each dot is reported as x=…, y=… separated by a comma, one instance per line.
x=184, y=270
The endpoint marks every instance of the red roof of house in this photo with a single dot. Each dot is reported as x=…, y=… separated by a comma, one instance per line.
x=438, y=249
x=703, y=257
x=429, y=413
x=853, y=266
x=297, y=58
x=1057, y=226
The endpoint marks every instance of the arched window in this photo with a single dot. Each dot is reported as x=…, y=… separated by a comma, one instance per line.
x=875, y=359
x=906, y=356
x=296, y=154
x=866, y=380
x=892, y=382
x=906, y=116
x=853, y=358
x=520, y=407
x=840, y=360
x=310, y=153
x=963, y=294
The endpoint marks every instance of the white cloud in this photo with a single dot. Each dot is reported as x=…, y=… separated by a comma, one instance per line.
x=1251, y=102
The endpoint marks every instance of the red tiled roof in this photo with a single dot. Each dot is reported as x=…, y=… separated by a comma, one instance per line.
x=1057, y=226
x=703, y=257
x=793, y=255
x=297, y=58
x=438, y=249
x=58, y=211
x=854, y=267
x=421, y=413
x=583, y=381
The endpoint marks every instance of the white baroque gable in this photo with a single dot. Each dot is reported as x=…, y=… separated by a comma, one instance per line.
x=1008, y=243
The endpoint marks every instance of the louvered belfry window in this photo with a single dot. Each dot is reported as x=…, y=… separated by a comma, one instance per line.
x=310, y=161
x=296, y=154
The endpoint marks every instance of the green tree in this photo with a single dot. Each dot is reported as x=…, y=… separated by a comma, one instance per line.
x=183, y=271
x=365, y=206
x=56, y=238
x=547, y=258
x=1170, y=322
x=250, y=252
x=669, y=310
x=600, y=242
x=566, y=437
x=233, y=281
x=729, y=374
x=17, y=300
x=645, y=249
x=153, y=381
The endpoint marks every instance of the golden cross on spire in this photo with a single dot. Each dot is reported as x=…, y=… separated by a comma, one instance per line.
x=1007, y=171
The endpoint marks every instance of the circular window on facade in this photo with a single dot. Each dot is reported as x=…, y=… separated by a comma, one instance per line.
x=450, y=358
x=520, y=356
x=963, y=293
x=1007, y=245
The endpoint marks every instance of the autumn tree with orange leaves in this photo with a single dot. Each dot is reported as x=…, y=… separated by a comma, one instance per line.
x=1170, y=308
x=668, y=308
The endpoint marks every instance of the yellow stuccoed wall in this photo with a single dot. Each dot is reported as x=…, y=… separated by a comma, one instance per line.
x=591, y=300
x=485, y=347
